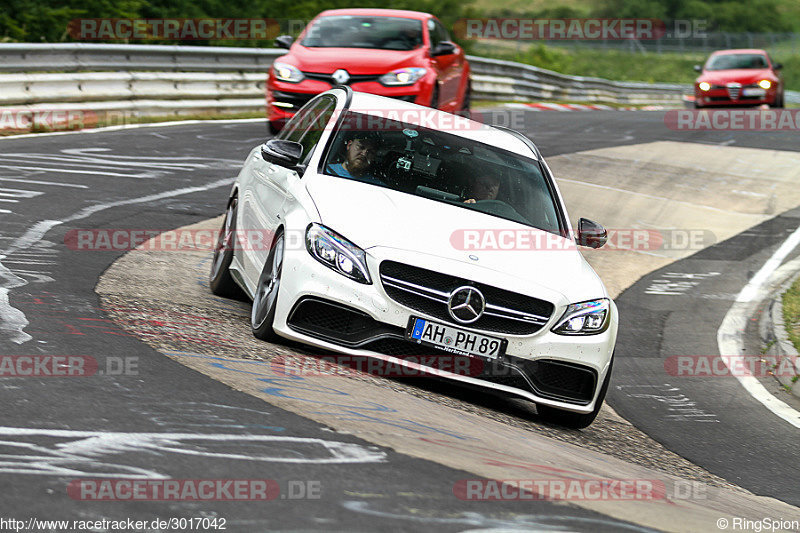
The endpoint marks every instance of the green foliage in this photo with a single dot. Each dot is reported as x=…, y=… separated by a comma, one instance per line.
x=791, y=313
x=626, y=66
x=47, y=20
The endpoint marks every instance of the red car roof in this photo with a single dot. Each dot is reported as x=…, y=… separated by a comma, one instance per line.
x=739, y=51
x=378, y=13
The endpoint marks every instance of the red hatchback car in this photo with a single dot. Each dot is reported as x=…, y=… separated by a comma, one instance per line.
x=401, y=54
x=739, y=78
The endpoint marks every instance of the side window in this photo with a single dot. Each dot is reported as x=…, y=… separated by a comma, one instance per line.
x=299, y=124
x=316, y=127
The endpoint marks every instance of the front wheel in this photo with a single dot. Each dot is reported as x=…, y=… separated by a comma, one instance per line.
x=266, y=298
x=576, y=420
x=220, y=280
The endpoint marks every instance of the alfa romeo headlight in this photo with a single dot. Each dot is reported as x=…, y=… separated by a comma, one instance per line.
x=337, y=253
x=585, y=318
x=287, y=72
x=403, y=76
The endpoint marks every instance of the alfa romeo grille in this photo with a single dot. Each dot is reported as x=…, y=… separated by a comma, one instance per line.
x=734, y=91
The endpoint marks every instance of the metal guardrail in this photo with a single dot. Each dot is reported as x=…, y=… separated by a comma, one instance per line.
x=84, y=57
x=178, y=80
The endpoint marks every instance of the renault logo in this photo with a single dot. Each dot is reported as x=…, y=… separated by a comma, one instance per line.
x=466, y=304
x=341, y=76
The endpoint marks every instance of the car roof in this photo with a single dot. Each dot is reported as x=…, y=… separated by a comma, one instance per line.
x=739, y=51
x=392, y=108
x=418, y=15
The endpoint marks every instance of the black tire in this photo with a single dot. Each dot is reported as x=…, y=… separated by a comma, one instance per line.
x=435, y=97
x=265, y=300
x=779, y=101
x=576, y=420
x=219, y=279
x=697, y=106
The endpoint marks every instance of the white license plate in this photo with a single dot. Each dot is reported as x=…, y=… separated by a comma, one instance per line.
x=454, y=340
x=752, y=91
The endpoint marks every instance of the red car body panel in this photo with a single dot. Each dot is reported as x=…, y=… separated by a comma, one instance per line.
x=728, y=87
x=449, y=72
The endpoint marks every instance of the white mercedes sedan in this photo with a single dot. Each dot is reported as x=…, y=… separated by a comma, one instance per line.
x=376, y=228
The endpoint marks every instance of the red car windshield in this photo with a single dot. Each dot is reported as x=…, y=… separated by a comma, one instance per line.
x=383, y=33
x=737, y=61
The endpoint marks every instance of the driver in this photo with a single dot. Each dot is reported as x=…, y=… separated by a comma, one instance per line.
x=483, y=187
x=359, y=158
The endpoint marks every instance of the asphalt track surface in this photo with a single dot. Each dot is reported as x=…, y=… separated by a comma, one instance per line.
x=165, y=177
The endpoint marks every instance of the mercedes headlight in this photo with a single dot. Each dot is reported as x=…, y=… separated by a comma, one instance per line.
x=403, y=76
x=585, y=318
x=287, y=72
x=337, y=253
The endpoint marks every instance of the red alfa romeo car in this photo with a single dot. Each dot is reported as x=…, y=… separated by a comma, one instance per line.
x=739, y=78
x=401, y=54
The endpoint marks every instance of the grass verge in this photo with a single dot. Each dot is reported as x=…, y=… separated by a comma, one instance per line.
x=791, y=313
x=620, y=66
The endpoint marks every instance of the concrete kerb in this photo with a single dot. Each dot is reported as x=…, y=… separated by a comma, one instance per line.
x=773, y=333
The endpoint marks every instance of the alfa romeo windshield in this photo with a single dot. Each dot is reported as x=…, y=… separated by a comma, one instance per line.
x=443, y=167
x=737, y=61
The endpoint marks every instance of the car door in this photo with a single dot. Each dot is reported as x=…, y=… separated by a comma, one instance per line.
x=271, y=184
x=450, y=66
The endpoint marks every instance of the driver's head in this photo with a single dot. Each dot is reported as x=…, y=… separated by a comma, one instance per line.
x=484, y=187
x=360, y=153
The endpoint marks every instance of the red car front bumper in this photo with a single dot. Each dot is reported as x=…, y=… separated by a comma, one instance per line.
x=285, y=99
x=720, y=96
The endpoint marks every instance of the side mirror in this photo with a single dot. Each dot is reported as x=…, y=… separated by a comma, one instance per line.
x=444, y=48
x=591, y=233
x=777, y=66
x=698, y=68
x=284, y=41
x=284, y=153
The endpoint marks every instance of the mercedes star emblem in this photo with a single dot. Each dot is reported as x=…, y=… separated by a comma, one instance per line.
x=466, y=304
